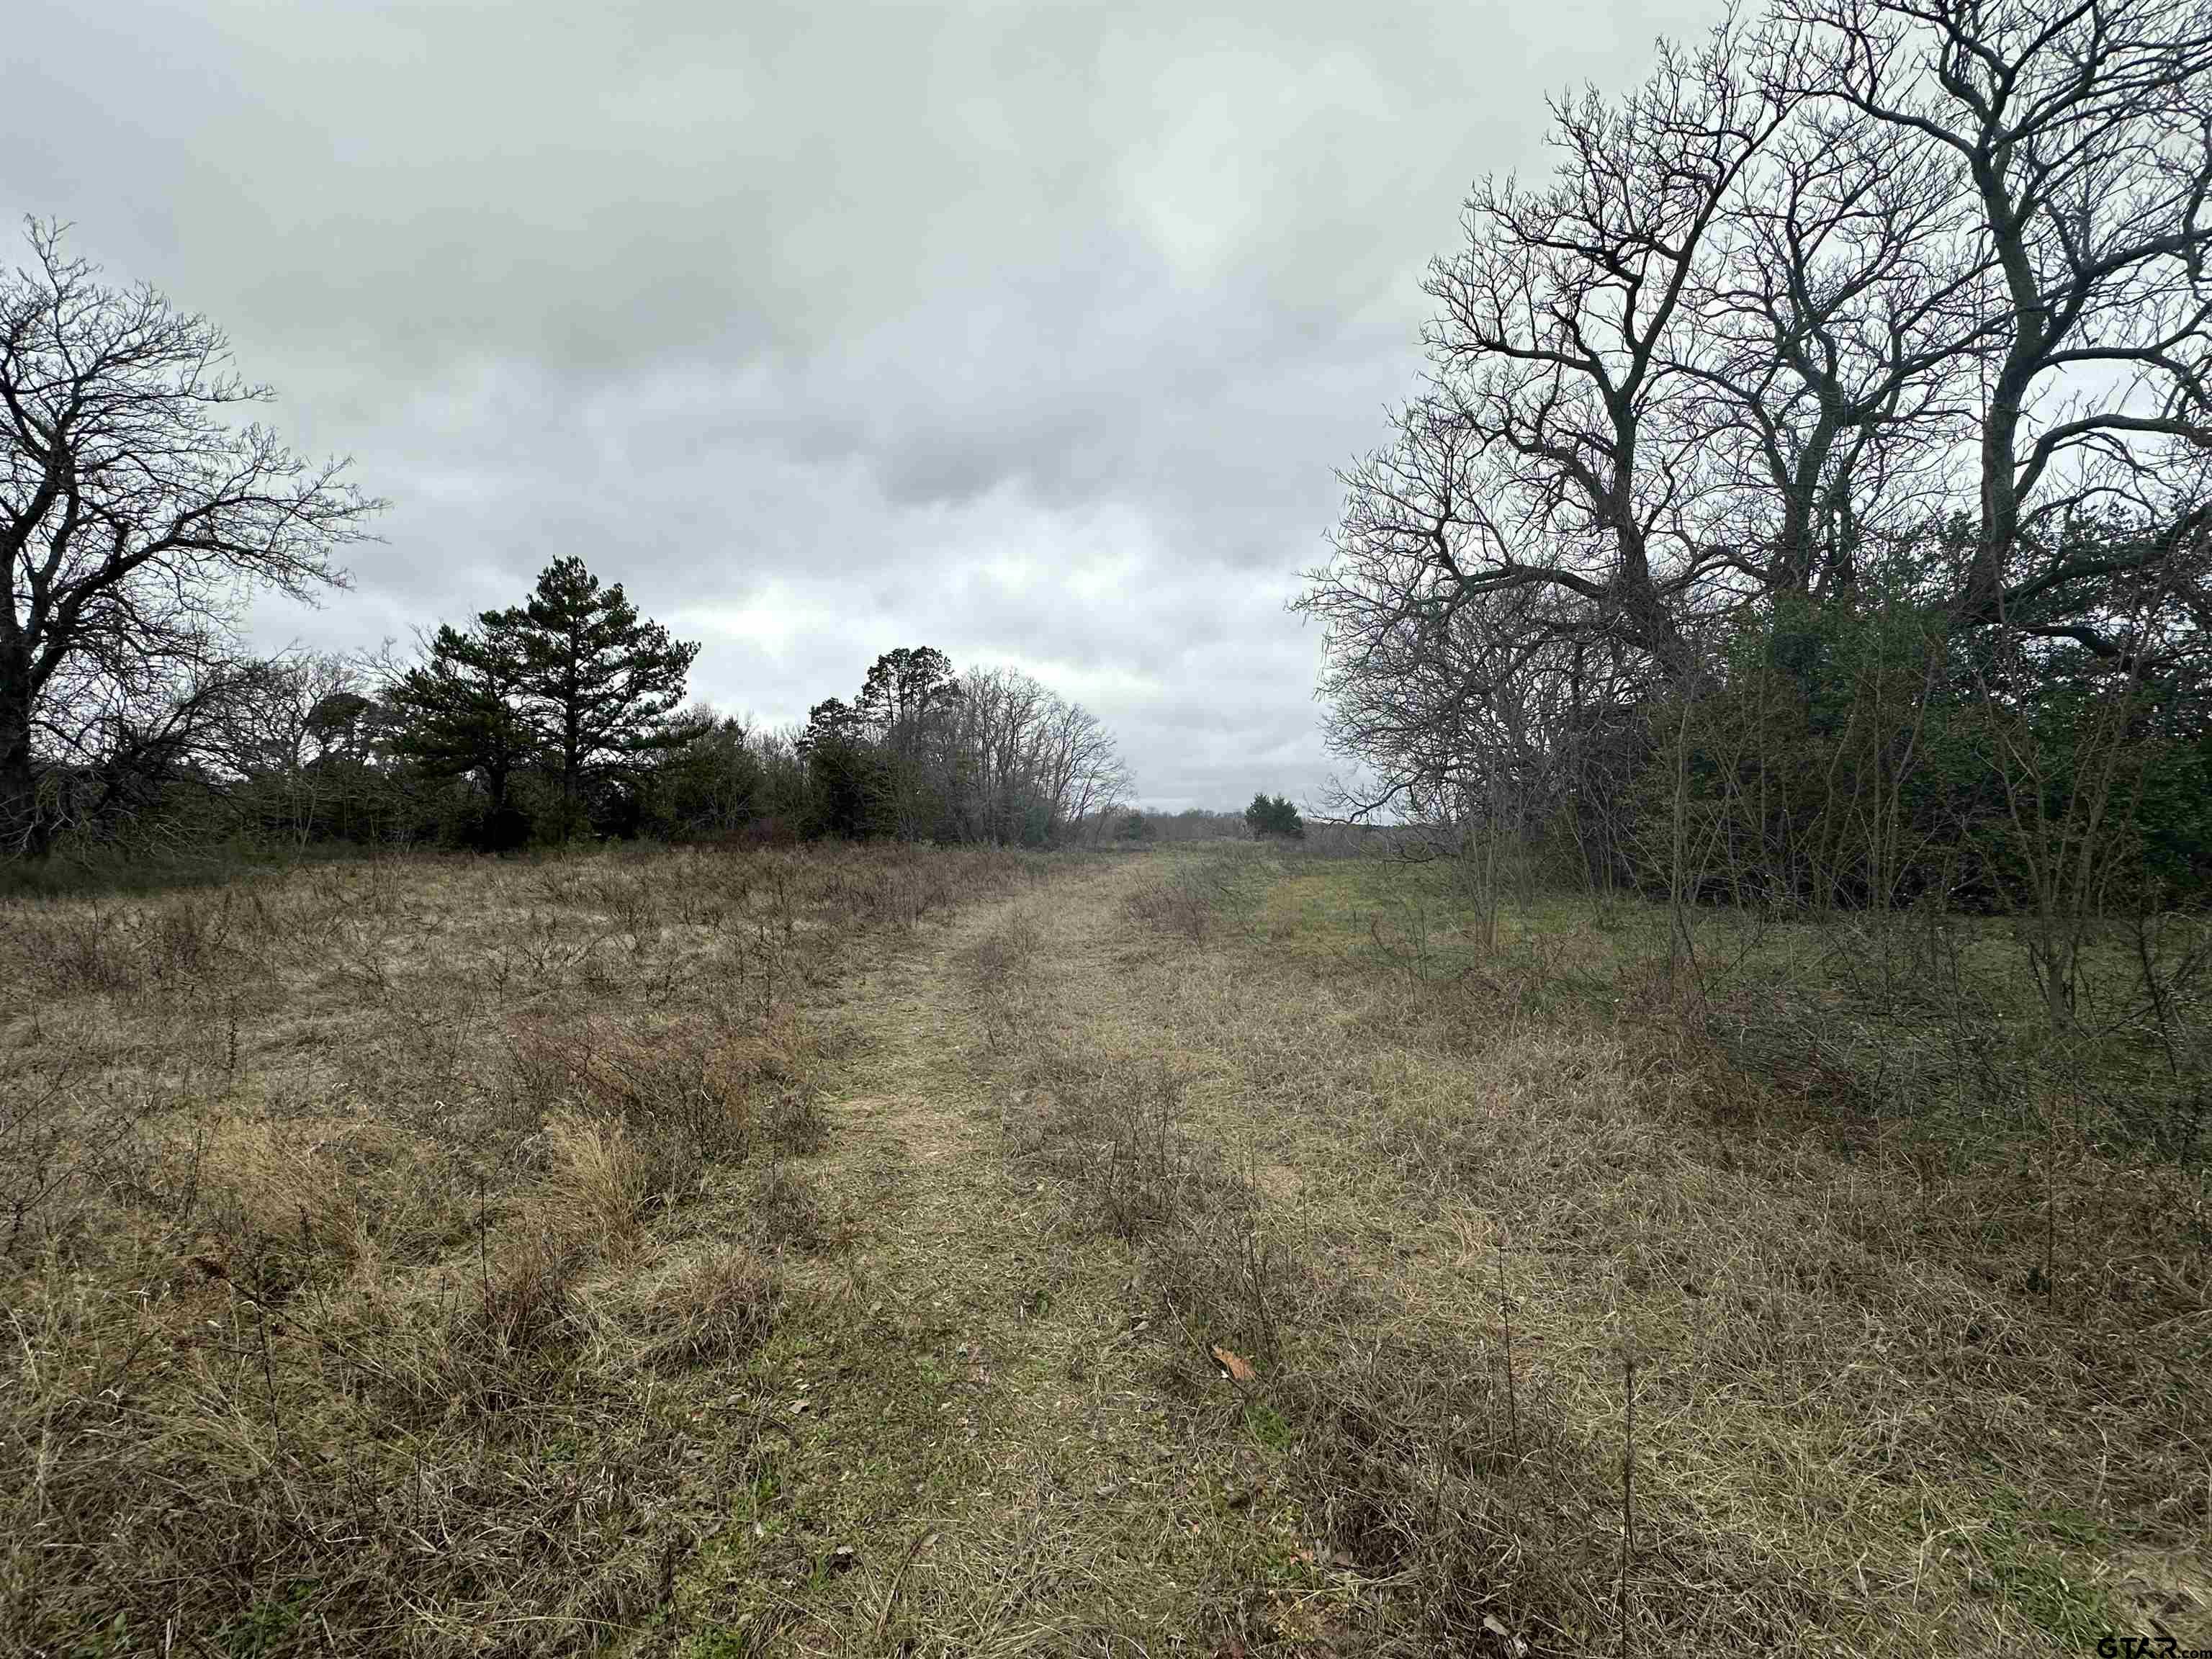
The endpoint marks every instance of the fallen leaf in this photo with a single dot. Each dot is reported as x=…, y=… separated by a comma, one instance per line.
x=1232, y=1367
x=1513, y=1643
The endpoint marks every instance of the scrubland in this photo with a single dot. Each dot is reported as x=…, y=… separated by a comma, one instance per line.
x=1909, y=1294
x=1220, y=1250
x=357, y=1294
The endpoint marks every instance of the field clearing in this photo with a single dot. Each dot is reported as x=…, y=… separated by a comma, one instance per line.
x=357, y=1286
x=824, y=1254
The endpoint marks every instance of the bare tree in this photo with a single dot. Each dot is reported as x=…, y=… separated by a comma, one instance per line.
x=996, y=718
x=1913, y=287
x=119, y=737
x=309, y=707
x=131, y=514
x=1553, y=449
x=1555, y=515
x=1019, y=750
x=2083, y=132
x=1082, y=770
x=1833, y=366
x=299, y=734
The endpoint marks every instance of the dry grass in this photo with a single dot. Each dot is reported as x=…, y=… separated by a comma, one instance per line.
x=1882, y=1404
x=347, y=1292
x=714, y=1307
x=1182, y=901
x=629, y=1253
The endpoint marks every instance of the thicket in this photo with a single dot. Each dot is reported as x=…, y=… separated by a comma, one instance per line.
x=320, y=753
x=1805, y=507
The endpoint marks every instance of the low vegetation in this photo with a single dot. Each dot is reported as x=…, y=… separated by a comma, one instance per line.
x=360, y=1287
x=1230, y=1250
x=1594, y=1311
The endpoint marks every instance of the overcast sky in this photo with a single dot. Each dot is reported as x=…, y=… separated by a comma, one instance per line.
x=1030, y=331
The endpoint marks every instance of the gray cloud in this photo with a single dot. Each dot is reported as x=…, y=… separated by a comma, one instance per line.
x=1030, y=331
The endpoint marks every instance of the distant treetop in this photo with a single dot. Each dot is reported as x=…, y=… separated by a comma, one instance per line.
x=1274, y=816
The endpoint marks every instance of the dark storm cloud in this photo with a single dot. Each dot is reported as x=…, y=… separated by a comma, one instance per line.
x=1030, y=331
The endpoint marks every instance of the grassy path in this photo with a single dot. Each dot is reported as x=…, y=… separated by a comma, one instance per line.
x=969, y=1442
x=1082, y=1135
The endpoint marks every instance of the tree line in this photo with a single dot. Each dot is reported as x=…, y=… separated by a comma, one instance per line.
x=136, y=514
x=564, y=717
x=1805, y=501
x=925, y=751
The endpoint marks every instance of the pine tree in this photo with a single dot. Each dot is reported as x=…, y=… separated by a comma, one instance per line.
x=903, y=707
x=601, y=686
x=850, y=783
x=1274, y=816
x=905, y=688
x=459, y=712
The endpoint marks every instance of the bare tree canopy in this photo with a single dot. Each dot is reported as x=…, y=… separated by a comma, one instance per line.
x=989, y=755
x=1903, y=292
x=133, y=514
x=2079, y=136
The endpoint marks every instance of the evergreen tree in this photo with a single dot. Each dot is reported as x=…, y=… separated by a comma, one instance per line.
x=903, y=707
x=600, y=685
x=457, y=712
x=710, y=789
x=849, y=785
x=904, y=689
x=1274, y=816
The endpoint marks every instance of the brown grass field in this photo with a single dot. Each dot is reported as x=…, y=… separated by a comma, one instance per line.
x=826, y=1252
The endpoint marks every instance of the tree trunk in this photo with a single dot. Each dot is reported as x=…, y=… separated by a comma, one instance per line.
x=572, y=754
x=27, y=829
x=2031, y=338
x=2000, y=505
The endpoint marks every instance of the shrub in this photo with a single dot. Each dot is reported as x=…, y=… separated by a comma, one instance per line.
x=715, y=1307
x=1274, y=816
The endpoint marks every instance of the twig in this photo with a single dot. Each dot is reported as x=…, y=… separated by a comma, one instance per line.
x=1627, y=1499
x=921, y=1541
x=483, y=1259
x=1506, y=1317
x=269, y=1372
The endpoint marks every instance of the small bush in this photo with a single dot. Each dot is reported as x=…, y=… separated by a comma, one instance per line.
x=694, y=1082
x=1181, y=904
x=787, y=1210
x=714, y=1308
x=794, y=1123
x=525, y=1300
x=998, y=967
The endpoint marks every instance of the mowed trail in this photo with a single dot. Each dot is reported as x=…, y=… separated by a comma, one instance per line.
x=1068, y=1149
x=970, y=1440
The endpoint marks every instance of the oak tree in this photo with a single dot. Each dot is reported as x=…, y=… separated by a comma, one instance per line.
x=133, y=512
